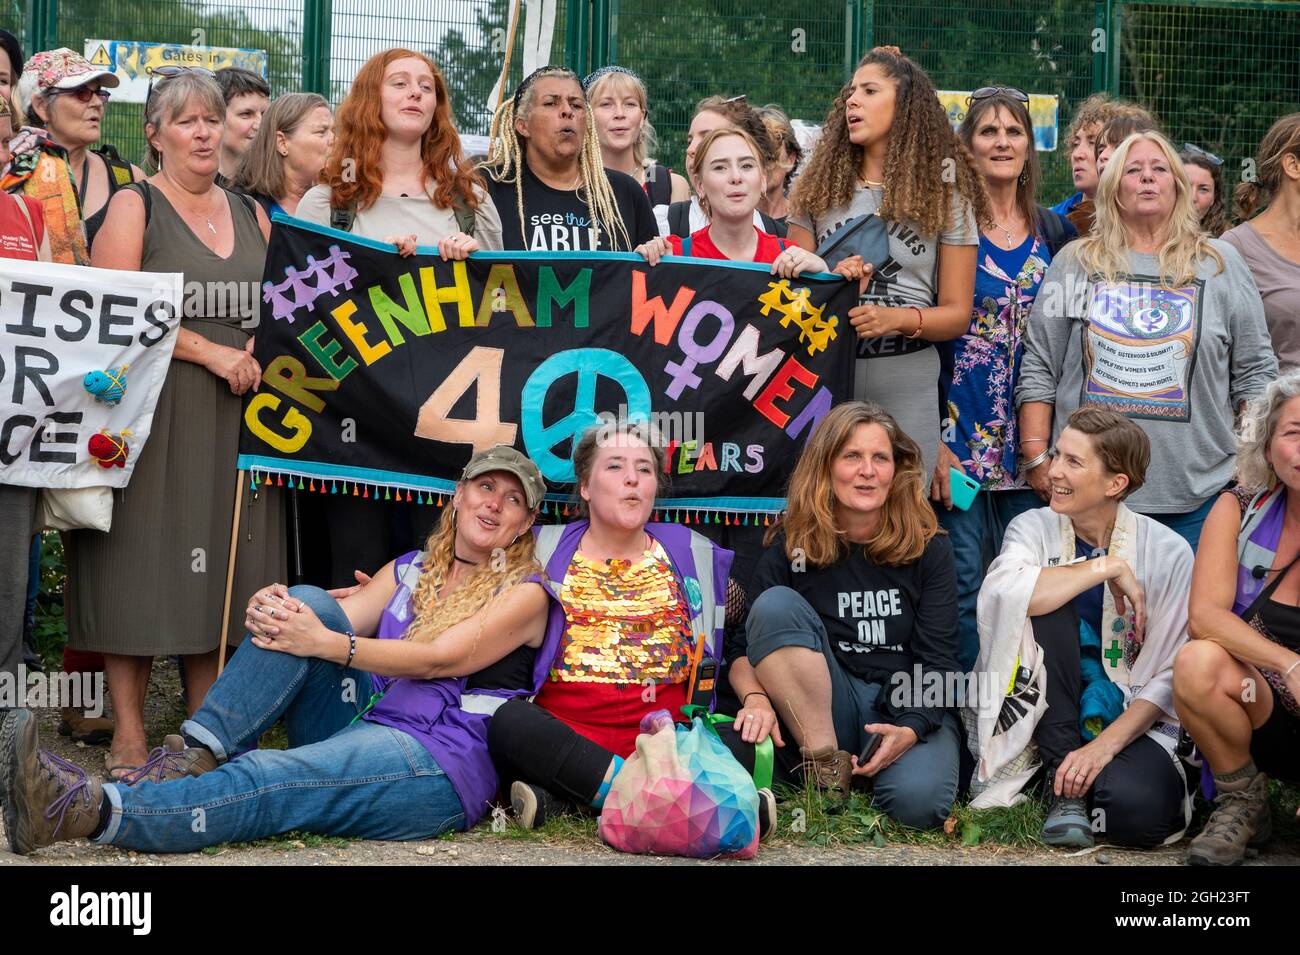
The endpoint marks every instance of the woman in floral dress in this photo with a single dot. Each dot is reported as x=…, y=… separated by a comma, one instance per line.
x=979, y=433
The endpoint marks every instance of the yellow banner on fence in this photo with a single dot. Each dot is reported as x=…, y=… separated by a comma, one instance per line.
x=1043, y=111
x=133, y=61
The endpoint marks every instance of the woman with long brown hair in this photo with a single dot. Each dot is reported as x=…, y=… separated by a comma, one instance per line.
x=386, y=695
x=888, y=151
x=284, y=160
x=396, y=173
x=1269, y=240
x=855, y=621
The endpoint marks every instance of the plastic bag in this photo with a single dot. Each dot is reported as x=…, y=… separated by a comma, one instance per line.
x=681, y=793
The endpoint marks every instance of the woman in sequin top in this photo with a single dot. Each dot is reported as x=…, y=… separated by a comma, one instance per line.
x=628, y=593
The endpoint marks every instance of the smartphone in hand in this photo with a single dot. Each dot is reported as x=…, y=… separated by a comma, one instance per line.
x=873, y=743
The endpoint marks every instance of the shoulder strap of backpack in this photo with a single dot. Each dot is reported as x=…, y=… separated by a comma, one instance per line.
x=342, y=219
x=686, y=246
x=1053, y=229
x=659, y=185
x=119, y=170
x=679, y=218
x=464, y=215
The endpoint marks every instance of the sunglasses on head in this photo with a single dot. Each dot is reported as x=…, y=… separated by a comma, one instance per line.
x=159, y=73
x=1209, y=157
x=984, y=92
x=82, y=94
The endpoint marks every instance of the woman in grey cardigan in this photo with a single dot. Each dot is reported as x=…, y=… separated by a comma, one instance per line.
x=1148, y=317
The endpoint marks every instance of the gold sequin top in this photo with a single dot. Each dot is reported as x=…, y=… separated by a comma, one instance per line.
x=626, y=622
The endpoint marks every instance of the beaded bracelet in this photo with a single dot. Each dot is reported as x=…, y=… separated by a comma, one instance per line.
x=352, y=648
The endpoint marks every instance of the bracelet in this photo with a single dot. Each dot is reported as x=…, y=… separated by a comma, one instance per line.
x=1284, y=675
x=1035, y=461
x=920, y=323
x=352, y=648
x=752, y=693
x=1033, y=441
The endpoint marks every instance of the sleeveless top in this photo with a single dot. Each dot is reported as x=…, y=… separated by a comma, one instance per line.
x=171, y=246
x=1272, y=620
x=113, y=168
x=430, y=710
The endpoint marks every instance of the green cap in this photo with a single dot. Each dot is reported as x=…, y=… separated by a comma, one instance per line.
x=505, y=458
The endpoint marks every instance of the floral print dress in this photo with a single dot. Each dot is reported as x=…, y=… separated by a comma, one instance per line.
x=981, y=430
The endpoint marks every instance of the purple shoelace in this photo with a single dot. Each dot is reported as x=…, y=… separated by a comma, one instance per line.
x=154, y=766
x=65, y=773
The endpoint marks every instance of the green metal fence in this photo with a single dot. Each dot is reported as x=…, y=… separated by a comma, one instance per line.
x=1215, y=72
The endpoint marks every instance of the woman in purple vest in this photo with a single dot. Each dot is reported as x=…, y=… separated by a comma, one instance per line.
x=387, y=735
x=637, y=606
x=1237, y=681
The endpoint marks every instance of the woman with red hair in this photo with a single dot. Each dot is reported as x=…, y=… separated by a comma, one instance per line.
x=396, y=173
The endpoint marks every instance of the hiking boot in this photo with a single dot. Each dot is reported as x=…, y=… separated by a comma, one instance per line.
x=83, y=728
x=827, y=768
x=532, y=805
x=1240, y=822
x=1067, y=823
x=766, y=814
x=47, y=799
x=173, y=760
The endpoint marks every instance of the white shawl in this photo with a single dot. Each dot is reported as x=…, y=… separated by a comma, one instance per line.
x=1009, y=673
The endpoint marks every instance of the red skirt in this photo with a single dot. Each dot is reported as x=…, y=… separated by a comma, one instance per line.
x=609, y=714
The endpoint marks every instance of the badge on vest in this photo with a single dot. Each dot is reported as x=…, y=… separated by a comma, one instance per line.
x=694, y=597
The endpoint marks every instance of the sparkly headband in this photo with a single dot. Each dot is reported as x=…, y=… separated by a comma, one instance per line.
x=605, y=71
x=534, y=76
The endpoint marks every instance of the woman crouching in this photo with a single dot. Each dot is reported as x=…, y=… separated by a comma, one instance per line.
x=1085, y=609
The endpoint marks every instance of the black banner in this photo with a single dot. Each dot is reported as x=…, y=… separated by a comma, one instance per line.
x=382, y=374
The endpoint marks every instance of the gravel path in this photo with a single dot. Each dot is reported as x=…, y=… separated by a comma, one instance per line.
x=164, y=711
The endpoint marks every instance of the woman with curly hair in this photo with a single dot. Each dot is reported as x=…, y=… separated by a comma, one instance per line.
x=887, y=150
x=547, y=170
x=855, y=602
x=396, y=171
x=386, y=695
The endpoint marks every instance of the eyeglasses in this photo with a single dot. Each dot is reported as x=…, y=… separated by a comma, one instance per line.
x=984, y=92
x=1209, y=157
x=82, y=94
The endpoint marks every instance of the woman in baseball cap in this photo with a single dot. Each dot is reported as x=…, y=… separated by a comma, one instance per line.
x=63, y=98
x=386, y=692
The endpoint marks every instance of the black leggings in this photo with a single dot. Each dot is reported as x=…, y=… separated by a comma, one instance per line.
x=528, y=743
x=1137, y=800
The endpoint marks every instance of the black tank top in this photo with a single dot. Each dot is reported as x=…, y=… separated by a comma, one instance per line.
x=514, y=671
x=94, y=222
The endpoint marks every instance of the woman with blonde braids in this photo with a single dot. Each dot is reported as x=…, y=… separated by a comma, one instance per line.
x=387, y=731
x=888, y=151
x=547, y=176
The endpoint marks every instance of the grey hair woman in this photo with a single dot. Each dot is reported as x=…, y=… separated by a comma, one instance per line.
x=1237, y=683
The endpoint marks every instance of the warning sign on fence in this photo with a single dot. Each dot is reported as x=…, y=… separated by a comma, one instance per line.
x=134, y=61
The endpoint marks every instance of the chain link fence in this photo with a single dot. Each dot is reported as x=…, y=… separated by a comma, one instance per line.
x=1215, y=72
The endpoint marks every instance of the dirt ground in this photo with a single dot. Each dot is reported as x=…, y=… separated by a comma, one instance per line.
x=164, y=712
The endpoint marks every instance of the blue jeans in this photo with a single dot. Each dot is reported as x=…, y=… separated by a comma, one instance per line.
x=976, y=538
x=1189, y=523
x=919, y=787
x=337, y=778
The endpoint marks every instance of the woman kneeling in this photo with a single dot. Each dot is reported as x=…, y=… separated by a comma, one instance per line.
x=1085, y=609
x=1237, y=682
x=387, y=736
x=856, y=600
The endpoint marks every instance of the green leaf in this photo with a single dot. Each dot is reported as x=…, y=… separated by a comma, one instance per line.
x=970, y=834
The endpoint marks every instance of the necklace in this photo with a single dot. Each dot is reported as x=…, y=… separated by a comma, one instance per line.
x=207, y=218
x=871, y=183
x=463, y=560
x=1006, y=232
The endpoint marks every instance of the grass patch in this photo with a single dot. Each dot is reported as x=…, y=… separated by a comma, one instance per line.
x=285, y=842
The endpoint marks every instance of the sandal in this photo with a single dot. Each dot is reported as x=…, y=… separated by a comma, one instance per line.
x=118, y=772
